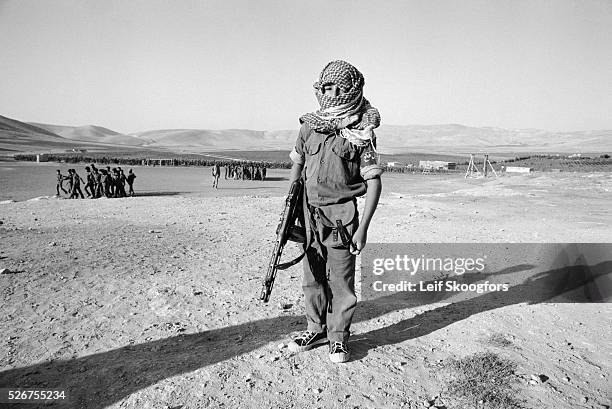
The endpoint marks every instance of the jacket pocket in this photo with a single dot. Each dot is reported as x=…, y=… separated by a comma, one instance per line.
x=344, y=149
x=312, y=147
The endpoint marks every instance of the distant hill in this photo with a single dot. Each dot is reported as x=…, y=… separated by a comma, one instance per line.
x=228, y=139
x=465, y=139
x=453, y=139
x=445, y=139
x=17, y=136
x=91, y=133
x=16, y=127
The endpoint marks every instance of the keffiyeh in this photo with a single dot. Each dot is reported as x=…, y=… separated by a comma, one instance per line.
x=350, y=102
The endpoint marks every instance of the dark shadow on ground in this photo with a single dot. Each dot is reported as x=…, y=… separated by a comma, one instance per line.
x=575, y=284
x=98, y=380
x=14, y=271
x=139, y=194
x=274, y=179
x=146, y=194
x=249, y=187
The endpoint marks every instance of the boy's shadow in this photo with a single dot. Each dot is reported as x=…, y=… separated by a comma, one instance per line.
x=575, y=284
x=102, y=379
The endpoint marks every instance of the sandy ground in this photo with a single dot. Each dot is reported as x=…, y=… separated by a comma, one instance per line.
x=152, y=302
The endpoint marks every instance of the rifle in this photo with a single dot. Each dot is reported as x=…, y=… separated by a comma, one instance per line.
x=286, y=230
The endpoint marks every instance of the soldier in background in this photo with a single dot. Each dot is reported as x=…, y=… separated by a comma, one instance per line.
x=76, y=185
x=99, y=187
x=60, y=182
x=89, y=187
x=106, y=181
x=130, y=181
x=111, y=185
x=70, y=182
x=115, y=183
x=216, y=172
x=122, y=179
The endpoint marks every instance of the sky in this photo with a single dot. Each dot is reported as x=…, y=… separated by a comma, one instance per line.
x=132, y=65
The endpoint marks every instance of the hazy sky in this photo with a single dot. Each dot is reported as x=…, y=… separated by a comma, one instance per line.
x=141, y=65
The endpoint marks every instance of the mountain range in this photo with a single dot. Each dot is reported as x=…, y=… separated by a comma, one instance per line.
x=17, y=136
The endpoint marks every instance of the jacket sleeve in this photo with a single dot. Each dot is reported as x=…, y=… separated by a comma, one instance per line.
x=297, y=154
x=370, y=167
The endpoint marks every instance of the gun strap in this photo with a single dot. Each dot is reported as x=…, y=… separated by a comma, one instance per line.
x=344, y=236
x=284, y=266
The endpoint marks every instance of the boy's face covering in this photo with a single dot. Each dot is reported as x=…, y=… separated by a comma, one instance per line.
x=340, y=83
x=331, y=90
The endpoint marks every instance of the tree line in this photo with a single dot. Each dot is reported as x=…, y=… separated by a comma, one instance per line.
x=134, y=161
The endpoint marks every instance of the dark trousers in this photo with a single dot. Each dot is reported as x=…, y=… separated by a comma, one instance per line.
x=131, y=191
x=119, y=190
x=89, y=189
x=329, y=291
x=76, y=191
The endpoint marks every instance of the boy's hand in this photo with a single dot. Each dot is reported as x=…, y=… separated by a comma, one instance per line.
x=359, y=240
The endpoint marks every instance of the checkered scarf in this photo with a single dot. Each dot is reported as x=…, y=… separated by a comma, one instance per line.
x=335, y=108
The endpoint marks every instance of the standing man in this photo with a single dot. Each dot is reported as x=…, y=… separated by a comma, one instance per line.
x=122, y=179
x=130, y=181
x=216, y=172
x=334, y=154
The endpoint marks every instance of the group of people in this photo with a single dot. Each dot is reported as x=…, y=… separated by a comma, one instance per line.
x=100, y=182
x=238, y=171
x=245, y=172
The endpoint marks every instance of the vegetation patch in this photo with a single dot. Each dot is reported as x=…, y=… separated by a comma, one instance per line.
x=499, y=340
x=483, y=381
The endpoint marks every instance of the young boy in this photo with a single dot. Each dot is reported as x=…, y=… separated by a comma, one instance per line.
x=60, y=183
x=335, y=155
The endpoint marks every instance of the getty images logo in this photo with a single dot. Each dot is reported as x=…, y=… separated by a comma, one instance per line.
x=412, y=265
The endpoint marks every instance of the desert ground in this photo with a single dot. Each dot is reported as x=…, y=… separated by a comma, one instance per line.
x=152, y=301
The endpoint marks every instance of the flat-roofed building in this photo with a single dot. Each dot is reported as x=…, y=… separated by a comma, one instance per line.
x=437, y=165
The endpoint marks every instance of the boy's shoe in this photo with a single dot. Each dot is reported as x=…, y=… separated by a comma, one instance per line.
x=307, y=340
x=338, y=352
